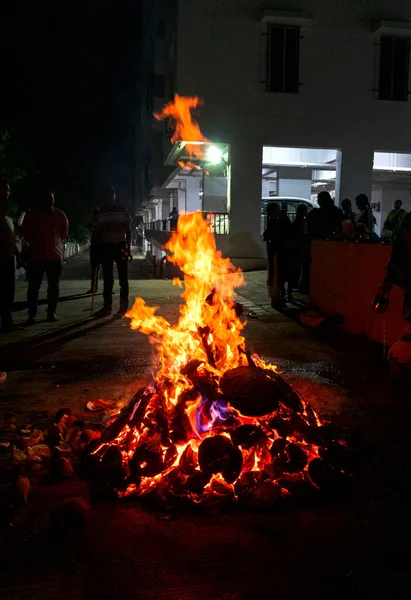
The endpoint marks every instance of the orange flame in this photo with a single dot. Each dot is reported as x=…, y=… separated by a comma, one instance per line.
x=185, y=128
x=207, y=339
x=203, y=327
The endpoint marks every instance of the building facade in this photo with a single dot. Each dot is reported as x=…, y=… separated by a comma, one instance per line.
x=315, y=75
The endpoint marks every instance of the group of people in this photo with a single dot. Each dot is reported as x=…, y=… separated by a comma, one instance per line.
x=43, y=232
x=288, y=243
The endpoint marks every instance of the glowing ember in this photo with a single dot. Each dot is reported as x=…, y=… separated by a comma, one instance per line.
x=185, y=128
x=216, y=422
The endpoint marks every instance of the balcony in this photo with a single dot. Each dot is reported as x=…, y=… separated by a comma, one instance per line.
x=218, y=222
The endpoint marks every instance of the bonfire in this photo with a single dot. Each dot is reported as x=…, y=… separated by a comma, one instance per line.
x=216, y=422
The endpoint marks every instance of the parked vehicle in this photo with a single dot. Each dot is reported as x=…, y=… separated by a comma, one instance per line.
x=287, y=203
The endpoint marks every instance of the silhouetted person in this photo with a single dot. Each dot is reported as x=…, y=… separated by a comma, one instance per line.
x=284, y=259
x=8, y=251
x=365, y=220
x=399, y=273
x=278, y=236
x=393, y=222
x=174, y=218
x=95, y=258
x=44, y=228
x=271, y=237
x=299, y=250
x=324, y=222
x=113, y=235
x=348, y=219
x=346, y=207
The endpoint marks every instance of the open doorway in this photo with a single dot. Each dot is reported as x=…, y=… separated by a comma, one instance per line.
x=391, y=181
x=293, y=176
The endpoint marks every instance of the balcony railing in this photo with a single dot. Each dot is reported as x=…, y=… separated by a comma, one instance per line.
x=219, y=223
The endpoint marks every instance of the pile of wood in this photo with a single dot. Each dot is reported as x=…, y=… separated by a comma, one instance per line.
x=265, y=443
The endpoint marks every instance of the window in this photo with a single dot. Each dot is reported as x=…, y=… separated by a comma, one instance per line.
x=283, y=59
x=394, y=67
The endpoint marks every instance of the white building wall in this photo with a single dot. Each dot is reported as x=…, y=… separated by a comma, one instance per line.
x=215, y=194
x=297, y=188
x=193, y=194
x=221, y=57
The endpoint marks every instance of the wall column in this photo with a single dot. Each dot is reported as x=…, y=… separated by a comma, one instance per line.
x=354, y=172
x=244, y=203
x=293, y=182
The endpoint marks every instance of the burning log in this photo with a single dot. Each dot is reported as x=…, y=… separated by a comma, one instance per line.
x=247, y=436
x=250, y=390
x=217, y=455
x=296, y=458
x=188, y=461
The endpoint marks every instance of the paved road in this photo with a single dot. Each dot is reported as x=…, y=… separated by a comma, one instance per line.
x=357, y=547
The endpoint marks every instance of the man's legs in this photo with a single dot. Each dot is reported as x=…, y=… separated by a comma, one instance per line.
x=36, y=272
x=53, y=272
x=122, y=269
x=94, y=265
x=7, y=288
x=107, y=258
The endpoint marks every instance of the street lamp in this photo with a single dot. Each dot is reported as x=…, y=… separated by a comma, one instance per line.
x=214, y=155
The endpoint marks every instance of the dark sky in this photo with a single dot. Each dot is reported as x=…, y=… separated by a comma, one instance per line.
x=69, y=77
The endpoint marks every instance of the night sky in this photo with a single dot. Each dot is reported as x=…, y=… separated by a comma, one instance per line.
x=70, y=73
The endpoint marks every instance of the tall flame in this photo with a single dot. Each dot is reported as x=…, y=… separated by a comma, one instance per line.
x=186, y=129
x=185, y=435
x=208, y=325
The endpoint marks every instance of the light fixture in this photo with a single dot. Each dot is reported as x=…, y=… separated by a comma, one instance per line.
x=214, y=154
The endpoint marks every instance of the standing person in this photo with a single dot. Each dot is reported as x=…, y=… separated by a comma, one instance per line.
x=365, y=221
x=299, y=248
x=325, y=222
x=346, y=207
x=95, y=258
x=173, y=219
x=8, y=251
x=44, y=228
x=271, y=237
x=284, y=259
x=113, y=234
x=399, y=274
x=393, y=222
x=348, y=219
x=278, y=236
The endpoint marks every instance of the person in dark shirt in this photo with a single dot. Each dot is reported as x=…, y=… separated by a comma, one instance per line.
x=271, y=237
x=399, y=273
x=325, y=222
x=299, y=248
x=346, y=207
x=113, y=235
x=365, y=221
x=399, y=266
x=278, y=236
x=174, y=219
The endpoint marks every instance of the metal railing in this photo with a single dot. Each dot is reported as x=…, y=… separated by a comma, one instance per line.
x=219, y=223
